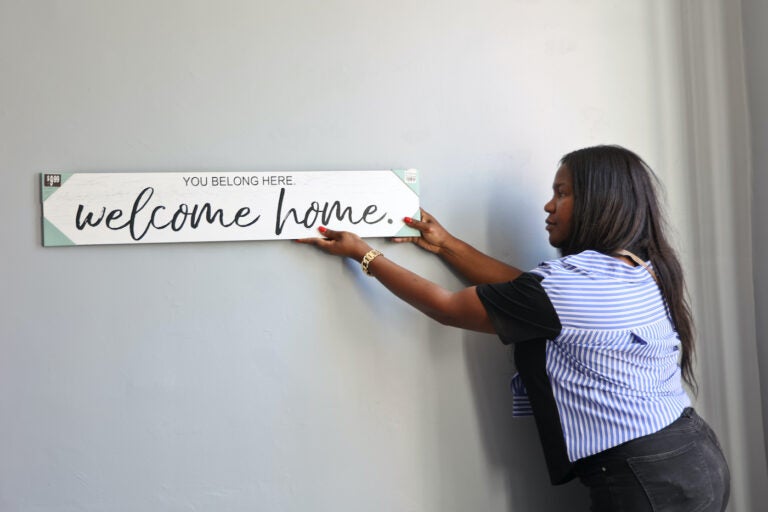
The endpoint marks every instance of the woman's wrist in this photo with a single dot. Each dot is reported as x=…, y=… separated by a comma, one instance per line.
x=359, y=253
x=368, y=259
x=449, y=247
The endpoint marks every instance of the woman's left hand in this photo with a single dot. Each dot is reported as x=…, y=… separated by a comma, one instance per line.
x=339, y=243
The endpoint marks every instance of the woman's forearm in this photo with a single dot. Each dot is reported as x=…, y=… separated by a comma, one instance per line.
x=458, y=309
x=475, y=266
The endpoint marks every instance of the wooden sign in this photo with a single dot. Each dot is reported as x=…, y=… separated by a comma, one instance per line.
x=132, y=208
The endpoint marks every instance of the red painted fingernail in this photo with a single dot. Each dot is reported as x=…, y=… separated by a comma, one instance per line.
x=322, y=229
x=408, y=220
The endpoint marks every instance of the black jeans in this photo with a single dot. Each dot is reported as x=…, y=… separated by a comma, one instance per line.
x=680, y=468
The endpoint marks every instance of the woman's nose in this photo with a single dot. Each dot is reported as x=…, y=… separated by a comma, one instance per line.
x=549, y=206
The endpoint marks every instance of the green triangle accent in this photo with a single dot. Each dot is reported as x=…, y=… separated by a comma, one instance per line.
x=406, y=231
x=412, y=182
x=53, y=237
x=46, y=192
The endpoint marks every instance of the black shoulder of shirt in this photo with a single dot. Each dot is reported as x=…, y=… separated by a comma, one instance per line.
x=520, y=310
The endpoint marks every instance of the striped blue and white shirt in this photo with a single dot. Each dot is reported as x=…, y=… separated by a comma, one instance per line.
x=596, y=350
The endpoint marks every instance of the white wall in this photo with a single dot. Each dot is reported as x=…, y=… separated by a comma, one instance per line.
x=266, y=376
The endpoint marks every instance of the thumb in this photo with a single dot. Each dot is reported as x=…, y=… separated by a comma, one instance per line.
x=329, y=233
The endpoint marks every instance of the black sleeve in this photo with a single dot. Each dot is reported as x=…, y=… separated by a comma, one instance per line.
x=520, y=310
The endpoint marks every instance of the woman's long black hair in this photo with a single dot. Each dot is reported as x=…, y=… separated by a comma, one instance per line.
x=616, y=207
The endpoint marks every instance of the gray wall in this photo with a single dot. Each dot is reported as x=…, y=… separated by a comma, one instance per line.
x=266, y=376
x=718, y=239
x=755, y=18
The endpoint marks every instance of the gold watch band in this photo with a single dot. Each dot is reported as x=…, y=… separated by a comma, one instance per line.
x=368, y=258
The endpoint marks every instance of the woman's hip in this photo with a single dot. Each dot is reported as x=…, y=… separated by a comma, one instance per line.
x=679, y=468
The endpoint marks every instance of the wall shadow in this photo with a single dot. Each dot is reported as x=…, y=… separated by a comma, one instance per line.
x=512, y=444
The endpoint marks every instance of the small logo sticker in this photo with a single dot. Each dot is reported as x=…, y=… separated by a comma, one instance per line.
x=411, y=176
x=52, y=180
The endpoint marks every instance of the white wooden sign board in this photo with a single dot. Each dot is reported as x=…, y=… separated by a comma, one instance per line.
x=133, y=208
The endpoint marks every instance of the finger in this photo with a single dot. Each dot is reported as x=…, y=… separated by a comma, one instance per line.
x=309, y=241
x=323, y=244
x=329, y=233
x=416, y=224
x=304, y=240
x=405, y=239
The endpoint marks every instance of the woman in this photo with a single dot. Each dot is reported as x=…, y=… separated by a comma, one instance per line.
x=603, y=336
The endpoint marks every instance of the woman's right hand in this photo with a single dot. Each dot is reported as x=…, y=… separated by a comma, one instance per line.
x=434, y=237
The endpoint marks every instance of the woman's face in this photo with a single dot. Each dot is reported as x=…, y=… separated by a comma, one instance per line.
x=560, y=208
